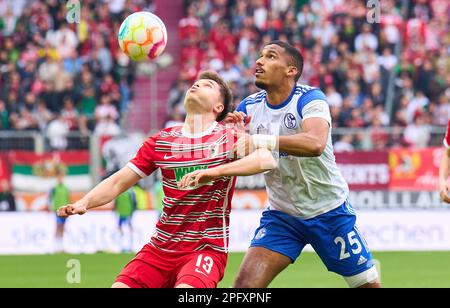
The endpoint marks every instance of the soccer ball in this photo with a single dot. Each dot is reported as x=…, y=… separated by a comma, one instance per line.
x=142, y=36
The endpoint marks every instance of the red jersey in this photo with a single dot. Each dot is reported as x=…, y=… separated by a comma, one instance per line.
x=447, y=136
x=197, y=217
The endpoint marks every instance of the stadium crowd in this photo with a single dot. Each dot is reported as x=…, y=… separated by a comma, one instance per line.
x=56, y=76
x=349, y=58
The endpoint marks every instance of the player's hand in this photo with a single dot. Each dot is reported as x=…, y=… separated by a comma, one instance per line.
x=78, y=208
x=198, y=177
x=243, y=146
x=444, y=190
x=237, y=117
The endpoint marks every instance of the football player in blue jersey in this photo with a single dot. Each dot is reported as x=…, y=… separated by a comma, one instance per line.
x=308, y=197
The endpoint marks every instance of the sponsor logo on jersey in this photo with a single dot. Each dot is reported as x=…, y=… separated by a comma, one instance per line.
x=182, y=171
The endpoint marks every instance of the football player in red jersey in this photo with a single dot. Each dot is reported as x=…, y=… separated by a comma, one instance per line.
x=190, y=245
x=444, y=169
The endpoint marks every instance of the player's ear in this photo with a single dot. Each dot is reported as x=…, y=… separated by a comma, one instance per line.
x=219, y=107
x=292, y=71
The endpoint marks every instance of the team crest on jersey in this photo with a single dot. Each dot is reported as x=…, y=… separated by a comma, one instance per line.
x=213, y=150
x=290, y=121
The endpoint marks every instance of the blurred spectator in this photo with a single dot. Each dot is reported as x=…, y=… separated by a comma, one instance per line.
x=376, y=94
x=59, y=196
x=125, y=95
x=7, y=201
x=260, y=14
x=379, y=136
x=230, y=73
x=107, y=127
x=57, y=132
x=4, y=116
x=24, y=120
x=366, y=40
x=442, y=112
x=88, y=103
x=417, y=134
x=101, y=58
x=355, y=97
x=378, y=112
x=305, y=17
x=189, y=25
x=43, y=115
x=63, y=40
x=344, y=144
x=69, y=113
x=125, y=206
x=387, y=60
x=105, y=109
x=333, y=97
x=401, y=117
x=417, y=104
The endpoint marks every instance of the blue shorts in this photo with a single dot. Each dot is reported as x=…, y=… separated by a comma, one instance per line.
x=60, y=220
x=333, y=235
x=124, y=220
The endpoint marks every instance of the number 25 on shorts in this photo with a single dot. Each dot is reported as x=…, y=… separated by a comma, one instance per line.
x=355, y=245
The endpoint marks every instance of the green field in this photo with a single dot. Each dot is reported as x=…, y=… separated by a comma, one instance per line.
x=398, y=269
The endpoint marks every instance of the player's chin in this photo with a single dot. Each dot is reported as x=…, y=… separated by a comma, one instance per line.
x=195, y=97
x=261, y=84
x=190, y=95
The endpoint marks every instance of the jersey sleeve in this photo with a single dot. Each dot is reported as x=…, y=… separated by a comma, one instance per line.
x=313, y=104
x=143, y=163
x=242, y=107
x=447, y=136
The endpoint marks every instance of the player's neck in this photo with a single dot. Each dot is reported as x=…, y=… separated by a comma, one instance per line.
x=279, y=95
x=196, y=124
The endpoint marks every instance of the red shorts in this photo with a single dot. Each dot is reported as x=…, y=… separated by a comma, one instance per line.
x=154, y=268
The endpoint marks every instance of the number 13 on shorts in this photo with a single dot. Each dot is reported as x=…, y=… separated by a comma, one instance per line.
x=204, y=264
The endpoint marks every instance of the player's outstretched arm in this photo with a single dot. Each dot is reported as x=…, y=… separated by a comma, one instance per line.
x=103, y=193
x=444, y=170
x=259, y=161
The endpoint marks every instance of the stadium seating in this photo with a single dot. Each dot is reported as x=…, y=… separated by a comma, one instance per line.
x=351, y=60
